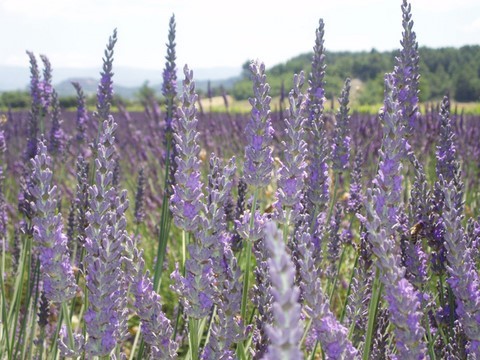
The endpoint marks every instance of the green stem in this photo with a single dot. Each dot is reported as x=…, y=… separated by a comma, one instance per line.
x=331, y=286
x=286, y=226
x=5, y=321
x=33, y=313
x=372, y=314
x=248, y=255
x=68, y=324
x=165, y=220
x=26, y=267
x=344, y=308
x=184, y=251
x=431, y=345
x=193, y=325
x=134, y=346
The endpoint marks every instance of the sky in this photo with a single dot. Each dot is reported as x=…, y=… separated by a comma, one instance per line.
x=220, y=33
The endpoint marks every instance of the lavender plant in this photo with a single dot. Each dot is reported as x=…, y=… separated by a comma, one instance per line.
x=82, y=113
x=407, y=72
x=104, y=248
x=57, y=273
x=399, y=280
x=318, y=184
x=292, y=173
x=286, y=331
x=105, y=88
x=258, y=165
x=383, y=208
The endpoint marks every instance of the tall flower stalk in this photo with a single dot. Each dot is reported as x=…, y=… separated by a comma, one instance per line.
x=187, y=206
x=406, y=72
x=55, y=268
x=292, y=173
x=286, y=331
x=104, y=248
x=327, y=329
x=105, y=88
x=169, y=91
x=258, y=165
x=57, y=273
x=318, y=184
x=383, y=210
x=82, y=113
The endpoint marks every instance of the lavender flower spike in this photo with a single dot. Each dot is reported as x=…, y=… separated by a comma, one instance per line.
x=258, y=165
x=447, y=164
x=332, y=335
x=157, y=330
x=287, y=329
x=341, y=143
x=56, y=270
x=57, y=136
x=383, y=209
x=464, y=278
x=105, y=88
x=3, y=203
x=169, y=86
x=82, y=112
x=291, y=181
x=46, y=85
x=407, y=71
x=318, y=184
x=186, y=201
x=105, y=249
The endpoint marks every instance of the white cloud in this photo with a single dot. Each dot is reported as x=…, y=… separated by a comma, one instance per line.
x=442, y=5
x=473, y=27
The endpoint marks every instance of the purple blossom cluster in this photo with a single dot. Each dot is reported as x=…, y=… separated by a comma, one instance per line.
x=292, y=173
x=186, y=201
x=383, y=210
x=258, y=166
x=56, y=269
x=104, y=247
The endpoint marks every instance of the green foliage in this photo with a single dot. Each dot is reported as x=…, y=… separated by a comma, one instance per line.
x=446, y=70
x=15, y=99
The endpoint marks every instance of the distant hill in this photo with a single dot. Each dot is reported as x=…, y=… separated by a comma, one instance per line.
x=444, y=70
x=126, y=80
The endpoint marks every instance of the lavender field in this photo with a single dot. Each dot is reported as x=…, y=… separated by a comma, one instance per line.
x=178, y=233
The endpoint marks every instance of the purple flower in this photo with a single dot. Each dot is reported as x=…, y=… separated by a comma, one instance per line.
x=316, y=92
x=35, y=87
x=82, y=112
x=186, y=201
x=156, y=328
x=229, y=329
x=205, y=270
x=57, y=136
x=105, y=247
x=292, y=172
x=406, y=72
x=447, y=164
x=341, y=142
x=328, y=331
x=287, y=328
x=383, y=207
x=464, y=279
x=258, y=165
x=3, y=204
x=35, y=110
x=46, y=84
x=318, y=183
x=356, y=196
x=55, y=268
x=105, y=87
x=169, y=86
